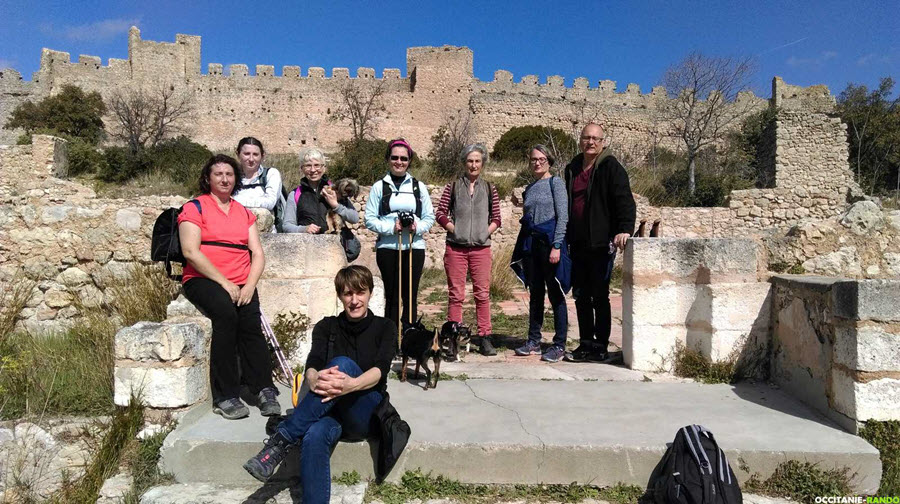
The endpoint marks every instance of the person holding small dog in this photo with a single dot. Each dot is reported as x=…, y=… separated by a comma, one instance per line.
x=540, y=255
x=470, y=212
x=220, y=241
x=346, y=373
x=309, y=203
x=399, y=210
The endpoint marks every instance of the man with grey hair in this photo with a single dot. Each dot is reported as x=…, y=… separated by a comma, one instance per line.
x=601, y=218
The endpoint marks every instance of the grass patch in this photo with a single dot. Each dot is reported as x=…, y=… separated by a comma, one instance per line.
x=290, y=329
x=690, y=363
x=886, y=437
x=517, y=325
x=432, y=277
x=71, y=372
x=448, y=377
x=347, y=478
x=801, y=481
x=616, y=278
x=503, y=280
x=125, y=425
x=154, y=183
x=13, y=299
x=143, y=462
x=436, y=296
x=423, y=486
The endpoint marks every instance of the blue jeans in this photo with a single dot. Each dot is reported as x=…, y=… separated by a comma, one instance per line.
x=543, y=279
x=319, y=426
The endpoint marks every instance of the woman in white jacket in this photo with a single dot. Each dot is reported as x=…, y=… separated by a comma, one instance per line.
x=261, y=185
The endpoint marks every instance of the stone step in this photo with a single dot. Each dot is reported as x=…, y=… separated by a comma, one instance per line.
x=534, y=431
x=206, y=493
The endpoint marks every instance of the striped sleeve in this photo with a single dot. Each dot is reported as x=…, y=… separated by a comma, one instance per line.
x=442, y=214
x=495, y=205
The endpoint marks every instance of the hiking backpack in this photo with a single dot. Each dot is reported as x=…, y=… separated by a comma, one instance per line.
x=278, y=211
x=387, y=191
x=694, y=470
x=165, y=244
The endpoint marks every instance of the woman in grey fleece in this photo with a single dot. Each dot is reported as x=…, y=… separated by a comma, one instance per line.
x=545, y=200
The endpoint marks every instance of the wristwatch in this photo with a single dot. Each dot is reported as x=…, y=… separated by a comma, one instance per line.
x=557, y=246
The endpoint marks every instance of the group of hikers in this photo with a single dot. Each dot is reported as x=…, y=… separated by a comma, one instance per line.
x=570, y=231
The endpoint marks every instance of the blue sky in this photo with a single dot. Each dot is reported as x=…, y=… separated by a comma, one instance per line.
x=804, y=42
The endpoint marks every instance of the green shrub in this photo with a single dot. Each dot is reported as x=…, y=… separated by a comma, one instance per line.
x=71, y=113
x=122, y=164
x=181, y=158
x=690, y=363
x=886, y=437
x=84, y=158
x=363, y=161
x=801, y=481
x=514, y=144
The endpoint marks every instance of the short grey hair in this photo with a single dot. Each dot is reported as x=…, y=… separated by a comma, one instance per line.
x=475, y=147
x=310, y=154
x=545, y=151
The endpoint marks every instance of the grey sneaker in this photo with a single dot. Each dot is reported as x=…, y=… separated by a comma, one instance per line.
x=231, y=409
x=553, y=354
x=529, y=348
x=268, y=402
x=263, y=465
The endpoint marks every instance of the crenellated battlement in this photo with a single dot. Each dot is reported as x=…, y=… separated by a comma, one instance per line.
x=293, y=106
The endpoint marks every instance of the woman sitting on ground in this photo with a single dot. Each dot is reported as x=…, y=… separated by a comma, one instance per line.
x=346, y=372
x=470, y=212
x=260, y=185
x=307, y=206
x=399, y=194
x=539, y=248
x=220, y=242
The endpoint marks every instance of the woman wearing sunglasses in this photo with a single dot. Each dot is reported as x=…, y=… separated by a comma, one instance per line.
x=399, y=210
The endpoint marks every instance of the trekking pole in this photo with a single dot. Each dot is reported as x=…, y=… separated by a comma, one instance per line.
x=410, y=300
x=275, y=348
x=399, y=290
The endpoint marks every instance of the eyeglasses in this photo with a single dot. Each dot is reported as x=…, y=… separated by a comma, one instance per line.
x=399, y=158
x=538, y=160
x=315, y=166
x=592, y=138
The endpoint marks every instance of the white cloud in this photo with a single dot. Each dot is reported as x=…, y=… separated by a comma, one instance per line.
x=102, y=30
x=819, y=60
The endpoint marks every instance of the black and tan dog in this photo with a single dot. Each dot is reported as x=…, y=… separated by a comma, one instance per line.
x=453, y=337
x=423, y=344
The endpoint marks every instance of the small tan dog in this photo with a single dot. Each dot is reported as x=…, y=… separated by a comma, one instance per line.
x=344, y=189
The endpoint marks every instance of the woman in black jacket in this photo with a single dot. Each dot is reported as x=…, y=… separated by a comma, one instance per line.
x=308, y=204
x=346, y=371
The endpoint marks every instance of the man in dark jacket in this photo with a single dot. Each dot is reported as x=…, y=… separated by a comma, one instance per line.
x=601, y=218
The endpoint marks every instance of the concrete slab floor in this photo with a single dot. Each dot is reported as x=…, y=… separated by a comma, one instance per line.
x=533, y=431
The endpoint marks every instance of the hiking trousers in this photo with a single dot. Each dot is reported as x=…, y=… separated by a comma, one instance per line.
x=476, y=261
x=236, y=332
x=591, y=270
x=318, y=426
x=388, y=262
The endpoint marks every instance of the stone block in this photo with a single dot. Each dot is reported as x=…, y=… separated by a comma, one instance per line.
x=666, y=304
x=161, y=387
x=315, y=73
x=690, y=260
x=290, y=71
x=651, y=348
x=214, y=69
x=302, y=255
x=73, y=277
x=874, y=400
x=867, y=348
x=265, y=70
x=313, y=297
x=238, y=70
x=867, y=300
x=340, y=73
x=863, y=218
x=737, y=307
x=161, y=342
x=181, y=307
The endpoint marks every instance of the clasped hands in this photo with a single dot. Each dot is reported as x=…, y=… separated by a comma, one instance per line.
x=331, y=383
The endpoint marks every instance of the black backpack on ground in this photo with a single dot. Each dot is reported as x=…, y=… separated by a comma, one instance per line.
x=694, y=470
x=165, y=244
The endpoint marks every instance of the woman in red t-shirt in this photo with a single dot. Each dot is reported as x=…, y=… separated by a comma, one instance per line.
x=220, y=241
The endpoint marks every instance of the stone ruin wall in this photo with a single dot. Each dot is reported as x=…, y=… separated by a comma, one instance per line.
x=293, y=109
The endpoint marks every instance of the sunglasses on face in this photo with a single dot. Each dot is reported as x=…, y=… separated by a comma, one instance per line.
x=399, y=158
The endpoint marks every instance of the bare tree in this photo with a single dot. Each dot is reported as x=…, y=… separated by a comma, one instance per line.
x=145, y=117
x=702, y=122
x=455, y=133
x=361, y=104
